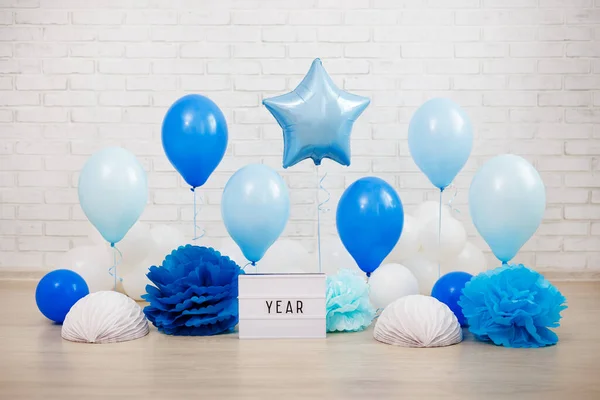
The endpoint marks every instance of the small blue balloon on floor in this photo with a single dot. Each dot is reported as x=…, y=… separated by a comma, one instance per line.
x=447, y=290
x=58, y=291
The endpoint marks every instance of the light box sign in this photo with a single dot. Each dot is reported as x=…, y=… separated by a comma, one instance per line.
x=282, y=306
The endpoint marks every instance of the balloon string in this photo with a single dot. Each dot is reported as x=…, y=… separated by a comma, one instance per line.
x=112, y=271
x=321, y=209
x=440, y=236
x=452, y=208
x=246, y=266
x=197, y=208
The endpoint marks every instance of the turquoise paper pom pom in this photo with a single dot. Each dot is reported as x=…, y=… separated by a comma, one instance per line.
x=512, y=306
x=348, y=306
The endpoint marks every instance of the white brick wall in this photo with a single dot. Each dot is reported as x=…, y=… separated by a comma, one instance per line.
x=79, y=75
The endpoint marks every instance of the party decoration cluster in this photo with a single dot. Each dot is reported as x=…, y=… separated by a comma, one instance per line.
x=105, y=317
x=196, y=293
x=417, y=321
x=195, y=290
x=348, y=306
x=512, y=306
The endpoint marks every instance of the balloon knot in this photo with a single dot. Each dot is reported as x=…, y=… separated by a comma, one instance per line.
x=368, y=274
x=253, y=263
x=193, y=189
x=112, y=245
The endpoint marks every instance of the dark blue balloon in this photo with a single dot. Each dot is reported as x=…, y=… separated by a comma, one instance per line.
x=447, y=290
x=369, y=221
x=58, y=291
x=194, y=137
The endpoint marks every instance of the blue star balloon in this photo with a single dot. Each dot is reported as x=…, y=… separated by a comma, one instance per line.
x=316, y=118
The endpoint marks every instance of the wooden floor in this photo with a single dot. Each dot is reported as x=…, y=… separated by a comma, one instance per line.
x=35, y=363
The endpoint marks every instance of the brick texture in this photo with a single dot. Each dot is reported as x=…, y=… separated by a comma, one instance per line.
x=76, y=76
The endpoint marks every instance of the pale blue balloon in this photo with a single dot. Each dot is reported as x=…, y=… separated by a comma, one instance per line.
x=507, y=200
x=440, y=139
x=255, y=208
x=113, y=191
x=316, y=118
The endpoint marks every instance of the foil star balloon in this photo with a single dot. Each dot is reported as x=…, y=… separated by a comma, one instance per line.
x=316, y=118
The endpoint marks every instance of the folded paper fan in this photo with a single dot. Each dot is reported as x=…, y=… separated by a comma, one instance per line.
x=105, y=317
x=418, y=321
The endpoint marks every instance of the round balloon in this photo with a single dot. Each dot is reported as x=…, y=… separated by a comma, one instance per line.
x=425, y=270
x=409, y=243
x=93, y=264
x=470, y=260
x=284, y=256
x=389, y=282
x=443, y=244
x=165, y=239
x=255, y=208
x=135, y=281
x=507, y=200
x=335, y=256
x=194, y=137
x=57, y=292
x=440, y=139
x=136, y=245
x=113, y=192
x=448, y=289
x=369, y=220
x=431, y=210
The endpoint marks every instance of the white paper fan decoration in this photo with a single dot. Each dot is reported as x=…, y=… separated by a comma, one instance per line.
x=418, y=321
x=105, y=317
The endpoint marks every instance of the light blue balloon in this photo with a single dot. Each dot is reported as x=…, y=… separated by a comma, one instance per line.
x=507, y=200
x=316, y=118
x=113, y=192
x=255, y=208
x=440, y=139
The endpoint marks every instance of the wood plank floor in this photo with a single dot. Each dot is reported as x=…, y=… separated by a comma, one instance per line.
x=35, y=363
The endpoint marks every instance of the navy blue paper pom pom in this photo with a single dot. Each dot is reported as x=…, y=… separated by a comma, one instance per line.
x=512, y=306
x=196, y=293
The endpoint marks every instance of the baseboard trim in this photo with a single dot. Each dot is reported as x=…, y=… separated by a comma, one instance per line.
x=553, y=275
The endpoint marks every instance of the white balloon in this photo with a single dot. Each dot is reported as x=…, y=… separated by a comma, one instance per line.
x=425, y=270
x=135, y=281
x=166, y=239
x=93, y=264
x=284, y=256
x=389, y=282
x=470, y=259
x=230, y=249
x=136, y=244
x=431, y=210
x=410, y=242
x=446, y=245
x=96, y=239
x=334, y=256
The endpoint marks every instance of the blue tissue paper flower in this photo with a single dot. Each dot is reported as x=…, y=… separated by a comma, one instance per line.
x=512, y=306
x=196, y=293
x=348, y=305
